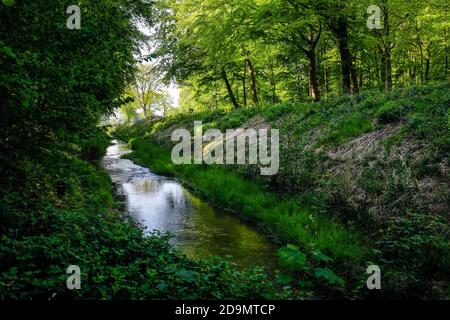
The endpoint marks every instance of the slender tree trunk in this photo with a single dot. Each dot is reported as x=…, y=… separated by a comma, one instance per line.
x=446, y=63
x=298, y=82
x=387, y=49
x=273, y=83
x=420, y=43
x=388, y=70
x=427, y=64
x=251, y=74
x=361, y=80
x=315, y=92
x=229, y=89
x=377, y=68
x=354, y=79
x=383, y=67
x=422, y=78
x=244, y=89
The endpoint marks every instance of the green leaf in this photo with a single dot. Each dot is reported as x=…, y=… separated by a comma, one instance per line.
x=305, y=284
x=8, y=51
x=284, y=279
x=8, y=3
x=186, y=275
x=318, y=255
x=329, y=276
x=292, y=258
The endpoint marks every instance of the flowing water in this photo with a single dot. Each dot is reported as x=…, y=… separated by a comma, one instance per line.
x=198, y=229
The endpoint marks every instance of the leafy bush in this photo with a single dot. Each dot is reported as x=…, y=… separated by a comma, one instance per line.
x=295, y=262
x=416, y=248
x=393, y=111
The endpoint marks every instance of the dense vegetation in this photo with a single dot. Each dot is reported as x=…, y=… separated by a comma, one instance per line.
x=56, y=208
x=362, y=107
x=60, y=213
x=236, y=53
x=360, y=181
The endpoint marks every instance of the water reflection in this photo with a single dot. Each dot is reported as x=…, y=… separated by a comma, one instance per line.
x=199, y=230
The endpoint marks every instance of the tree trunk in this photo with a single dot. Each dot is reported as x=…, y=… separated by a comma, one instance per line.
x=273, y=84
x=361, y=80
x=427, y=64
x=354, y=79
x=299, y=80
x=420, y=43
x=315, y=92
x=387, y=49
x=446, y=62
x=383, y=67
x=388, y=70
x=229, y=89
x=340, y=30
x=251, y=74
x=244, y=89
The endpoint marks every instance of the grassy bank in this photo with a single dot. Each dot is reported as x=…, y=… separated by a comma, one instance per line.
x=363, y=179
x=58, y=210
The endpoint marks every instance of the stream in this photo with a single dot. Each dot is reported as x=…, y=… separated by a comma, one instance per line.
x=198, y=229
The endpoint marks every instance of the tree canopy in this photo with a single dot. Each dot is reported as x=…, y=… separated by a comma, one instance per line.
x=238, y=53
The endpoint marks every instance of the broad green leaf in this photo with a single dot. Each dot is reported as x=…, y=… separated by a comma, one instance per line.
x=318, y=255
x=329, y=276
x=293, y=259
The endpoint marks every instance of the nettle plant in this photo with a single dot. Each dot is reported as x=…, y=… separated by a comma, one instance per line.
x=296, y=269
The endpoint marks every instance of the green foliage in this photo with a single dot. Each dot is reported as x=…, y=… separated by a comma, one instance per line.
x=352, y=126
x=61, y=214
x=61, y=90
x=93, y=147
x=57, y=209
x=294, y=261
x=416, y=248
x=292, y=258
x=345, y=160
x=299, y=51
x=342, y=171
x=393, y=111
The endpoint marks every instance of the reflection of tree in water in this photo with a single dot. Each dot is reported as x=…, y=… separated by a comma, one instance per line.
x=171, y=201
x=147, y=186
x=217, y=233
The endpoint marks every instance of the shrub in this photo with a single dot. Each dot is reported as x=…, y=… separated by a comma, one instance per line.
x=393, y=111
